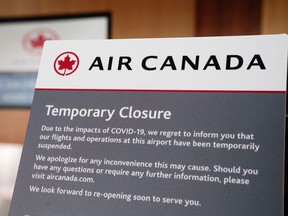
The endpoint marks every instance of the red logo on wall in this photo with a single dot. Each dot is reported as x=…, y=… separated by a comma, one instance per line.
x=34, y=39
x=66, y=63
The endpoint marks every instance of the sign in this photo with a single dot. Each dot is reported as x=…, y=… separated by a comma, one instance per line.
x=21, y=48
x=183, y=126
x=17, y=89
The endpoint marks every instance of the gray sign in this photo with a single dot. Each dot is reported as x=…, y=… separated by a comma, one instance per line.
x=152, y=153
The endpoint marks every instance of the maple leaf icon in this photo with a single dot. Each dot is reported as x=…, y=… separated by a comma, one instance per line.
x=33, y=40
x=66, y=63
x=38, y=41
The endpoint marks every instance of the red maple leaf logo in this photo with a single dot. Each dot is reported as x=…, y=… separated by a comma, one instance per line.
x=67, y=64
x=64, y=65
x=38, y=41
x=34, y=39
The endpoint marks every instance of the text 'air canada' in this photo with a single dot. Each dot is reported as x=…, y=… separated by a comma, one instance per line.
x=153, y=63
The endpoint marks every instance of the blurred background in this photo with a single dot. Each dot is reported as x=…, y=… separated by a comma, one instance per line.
x=132, y=19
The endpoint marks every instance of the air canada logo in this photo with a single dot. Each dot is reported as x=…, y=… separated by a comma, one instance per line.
x=34, y=39
x=66, y=63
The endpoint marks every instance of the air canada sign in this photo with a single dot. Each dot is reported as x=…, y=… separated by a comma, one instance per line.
x=185, y=62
